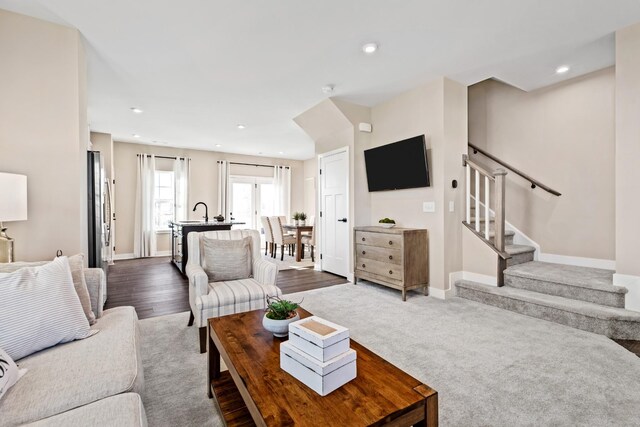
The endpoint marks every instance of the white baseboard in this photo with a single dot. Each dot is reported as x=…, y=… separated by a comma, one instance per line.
x=441, y=293
x=632, y=283
x=462, y=275
x=118, y=257
x=606, y=264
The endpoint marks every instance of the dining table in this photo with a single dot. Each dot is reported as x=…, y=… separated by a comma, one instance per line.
x=298, y=229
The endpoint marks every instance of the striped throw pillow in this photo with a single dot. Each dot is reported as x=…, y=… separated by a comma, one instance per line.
x=39, y=308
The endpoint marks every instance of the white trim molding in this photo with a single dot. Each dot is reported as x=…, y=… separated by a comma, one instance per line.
x=461, y=275
x=118, y=257
x=606, y=264
x=632, y=283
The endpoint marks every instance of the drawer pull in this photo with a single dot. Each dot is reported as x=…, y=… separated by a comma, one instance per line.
x=390, y=256
x=390, y=271
x=363, y=252
x=363, y=239
x=363, y=265
x=390, y=242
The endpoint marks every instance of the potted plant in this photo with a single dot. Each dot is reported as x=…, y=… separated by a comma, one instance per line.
x=296, y=218
x=303, y=218
x=387, y=222
x=278, y=314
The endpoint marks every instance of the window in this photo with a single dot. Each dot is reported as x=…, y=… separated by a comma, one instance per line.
x=163, y=200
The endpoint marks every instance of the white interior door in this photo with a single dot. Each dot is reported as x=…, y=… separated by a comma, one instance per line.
x=334, y=212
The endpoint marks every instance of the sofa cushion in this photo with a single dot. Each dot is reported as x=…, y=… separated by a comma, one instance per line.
x=39, y=308
x=77, y=373
x=123, y=410
x=226, y=259
x=235, y=296
x=76, y=263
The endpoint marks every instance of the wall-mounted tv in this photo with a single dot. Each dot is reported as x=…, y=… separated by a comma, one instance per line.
x=396, y=166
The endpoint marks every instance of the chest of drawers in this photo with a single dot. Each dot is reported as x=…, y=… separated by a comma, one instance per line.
x=394, y=257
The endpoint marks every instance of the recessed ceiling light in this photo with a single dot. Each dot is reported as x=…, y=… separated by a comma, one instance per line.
x=328, y=89
x=369, y=48
x=136, y=110
x=135, y=135
x=562, y=69
x=218, y=145
x=241, y=126
x=280, y=152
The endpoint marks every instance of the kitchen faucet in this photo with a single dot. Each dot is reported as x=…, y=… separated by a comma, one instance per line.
x=206, y=210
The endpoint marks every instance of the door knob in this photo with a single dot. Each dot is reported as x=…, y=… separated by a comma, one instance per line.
x=343, y=220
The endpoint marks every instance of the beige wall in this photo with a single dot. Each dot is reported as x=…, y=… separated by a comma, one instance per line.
x=310, y=186
x=203, y=184
x=43, y=132
x=563, y=136
x=438, y=110
x=627, y=148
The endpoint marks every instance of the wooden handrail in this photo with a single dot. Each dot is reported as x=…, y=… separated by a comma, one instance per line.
x=534, y=182
x=484, y=171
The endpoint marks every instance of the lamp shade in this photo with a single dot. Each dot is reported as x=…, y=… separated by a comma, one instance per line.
x=13, y=197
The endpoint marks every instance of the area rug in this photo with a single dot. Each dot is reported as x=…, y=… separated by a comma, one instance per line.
x=491, y=367
x=289, y=263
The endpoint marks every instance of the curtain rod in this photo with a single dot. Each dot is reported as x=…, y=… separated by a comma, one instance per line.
x=163, y=157
x=254, y=164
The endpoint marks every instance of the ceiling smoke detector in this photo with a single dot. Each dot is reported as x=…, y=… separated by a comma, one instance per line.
x=370, y=48
x=136, y=110
x=328, y=89
x=135, y=135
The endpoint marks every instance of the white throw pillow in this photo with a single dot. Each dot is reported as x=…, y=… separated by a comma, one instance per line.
x=9, y=372
x=40, y=308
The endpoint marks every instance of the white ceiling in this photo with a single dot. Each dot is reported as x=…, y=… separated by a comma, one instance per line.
x=199, y=67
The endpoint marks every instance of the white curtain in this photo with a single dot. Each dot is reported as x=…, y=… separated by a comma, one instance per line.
x=223, y=189
x=144, y=243
x=282, y=187
x=181, y=171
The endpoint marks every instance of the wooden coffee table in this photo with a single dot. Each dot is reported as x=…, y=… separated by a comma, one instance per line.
x=255, y=391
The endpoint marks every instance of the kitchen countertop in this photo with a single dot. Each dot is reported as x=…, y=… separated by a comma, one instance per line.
x=202, y=223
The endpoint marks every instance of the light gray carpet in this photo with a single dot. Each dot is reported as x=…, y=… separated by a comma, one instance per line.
x=175, y=374
x=491, y=367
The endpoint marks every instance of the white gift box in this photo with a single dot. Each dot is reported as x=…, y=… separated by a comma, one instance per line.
x=319, y=338
x=321, y=377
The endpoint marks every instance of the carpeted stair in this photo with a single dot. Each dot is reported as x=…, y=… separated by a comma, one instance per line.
x=519, y=253
x=580, y=297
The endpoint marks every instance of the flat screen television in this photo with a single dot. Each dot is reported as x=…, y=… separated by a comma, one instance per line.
x=396, y=166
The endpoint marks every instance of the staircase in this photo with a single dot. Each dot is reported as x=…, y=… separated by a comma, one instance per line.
x=580, y=297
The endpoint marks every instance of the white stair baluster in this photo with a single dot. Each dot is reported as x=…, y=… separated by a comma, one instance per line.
x=486, y=207
x=468, y=194
x=477, y=205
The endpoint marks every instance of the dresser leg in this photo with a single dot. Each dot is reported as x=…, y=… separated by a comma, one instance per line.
x=424, y=291
x=404, y=295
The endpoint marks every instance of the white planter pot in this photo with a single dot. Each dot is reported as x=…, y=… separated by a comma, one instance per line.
x=303, y=222
x=296, y=222
x=279, y=328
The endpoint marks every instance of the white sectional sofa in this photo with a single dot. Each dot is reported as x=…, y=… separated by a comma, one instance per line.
x=90, y=382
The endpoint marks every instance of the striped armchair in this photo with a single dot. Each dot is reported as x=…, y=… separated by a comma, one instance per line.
x=215, y=299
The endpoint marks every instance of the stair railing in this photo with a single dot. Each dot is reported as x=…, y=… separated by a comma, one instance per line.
x=488, y=179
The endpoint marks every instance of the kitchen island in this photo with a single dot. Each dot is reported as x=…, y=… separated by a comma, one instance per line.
x=179, y=232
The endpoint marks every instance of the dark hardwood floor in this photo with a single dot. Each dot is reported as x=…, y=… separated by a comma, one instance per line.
x=155, y=287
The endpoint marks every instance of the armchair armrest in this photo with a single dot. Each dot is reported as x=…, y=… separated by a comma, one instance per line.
x=265, y=272
x=198, y=279
x=96, y=285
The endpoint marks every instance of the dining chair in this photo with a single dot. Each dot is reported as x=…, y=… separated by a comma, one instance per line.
x=279, y=238
x=268, y=234
x=311, y=242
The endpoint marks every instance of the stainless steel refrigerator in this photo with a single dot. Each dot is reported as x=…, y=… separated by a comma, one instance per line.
x=99, y=204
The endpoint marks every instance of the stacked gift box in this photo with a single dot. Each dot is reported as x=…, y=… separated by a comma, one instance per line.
x=318, y=354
